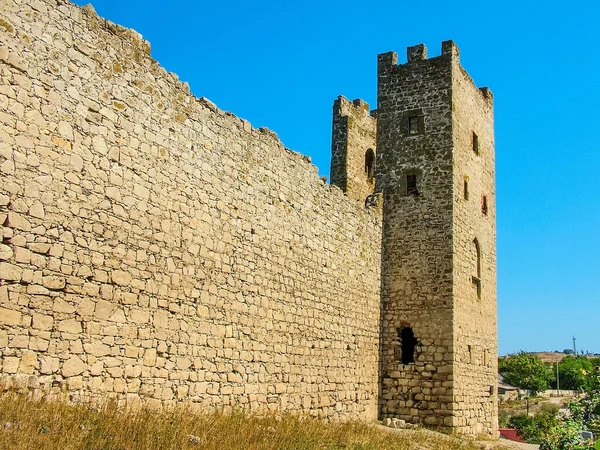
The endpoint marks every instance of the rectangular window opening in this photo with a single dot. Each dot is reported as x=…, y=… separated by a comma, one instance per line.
x=411, y=185
x=484, y=205
x=413, y=125
x=475, y=144
x=466, y=189
x=477, y=284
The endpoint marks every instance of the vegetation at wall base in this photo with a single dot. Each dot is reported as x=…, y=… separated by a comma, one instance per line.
x=38, y=424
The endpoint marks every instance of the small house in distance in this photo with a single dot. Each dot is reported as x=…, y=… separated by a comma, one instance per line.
x=506, y=391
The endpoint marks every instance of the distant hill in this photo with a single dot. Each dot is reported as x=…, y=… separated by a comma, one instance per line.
x=552, y=357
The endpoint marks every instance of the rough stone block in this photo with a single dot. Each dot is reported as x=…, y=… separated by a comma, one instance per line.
x=18, y=221
x=37, y=210
x=42, y=322
x=29, y=363
x=10, y=317
x=103, y=310
x=5, y=252
x=121, y=278
x=10, y=272
x=97, y=348
x=96, y=369
x=19, y=341
x=139, y=316
x=22, y=255
x=65, y=130
x=73, y=366
x=10, y=364
x=54, y=282
x=70, y=326
x=150, y=357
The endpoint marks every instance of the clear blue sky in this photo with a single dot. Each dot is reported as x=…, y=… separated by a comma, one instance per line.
x=281, y=65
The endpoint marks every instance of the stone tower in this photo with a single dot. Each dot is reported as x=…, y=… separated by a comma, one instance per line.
x=435, y=168
x=353, y=148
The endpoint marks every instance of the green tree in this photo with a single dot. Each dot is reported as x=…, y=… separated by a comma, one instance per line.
x=574, y=372
x=526, y=371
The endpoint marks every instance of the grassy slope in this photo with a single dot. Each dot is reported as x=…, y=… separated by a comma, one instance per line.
x=536, y=405
x=30, y=424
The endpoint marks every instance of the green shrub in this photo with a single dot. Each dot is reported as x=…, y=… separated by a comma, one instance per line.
x=549, y=408
x=584, y=415
x=534, y=429
x=503, y=419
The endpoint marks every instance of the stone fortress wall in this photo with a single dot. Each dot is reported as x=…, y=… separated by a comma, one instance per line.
x=157, y=249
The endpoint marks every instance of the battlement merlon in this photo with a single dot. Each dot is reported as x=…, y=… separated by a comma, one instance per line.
x=487, y=93
x=416, y=54
x=344, y=107
x=451, y=49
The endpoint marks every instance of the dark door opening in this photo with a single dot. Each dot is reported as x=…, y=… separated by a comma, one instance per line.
x=408, y=342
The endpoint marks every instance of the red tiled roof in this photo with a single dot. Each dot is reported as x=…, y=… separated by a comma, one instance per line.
x=510, y=434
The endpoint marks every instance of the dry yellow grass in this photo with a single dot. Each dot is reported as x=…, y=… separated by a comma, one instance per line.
x=29, y=424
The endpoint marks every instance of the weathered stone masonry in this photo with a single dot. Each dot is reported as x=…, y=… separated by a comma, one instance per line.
x=353, y=148
x=439, y=271
x=157, y=249
x=435, y=171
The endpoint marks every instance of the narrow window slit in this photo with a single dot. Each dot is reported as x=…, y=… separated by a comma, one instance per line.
x=370, y=164
x=475, y=142
x=476, y=278
x=413, y=125
x=411, y=185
